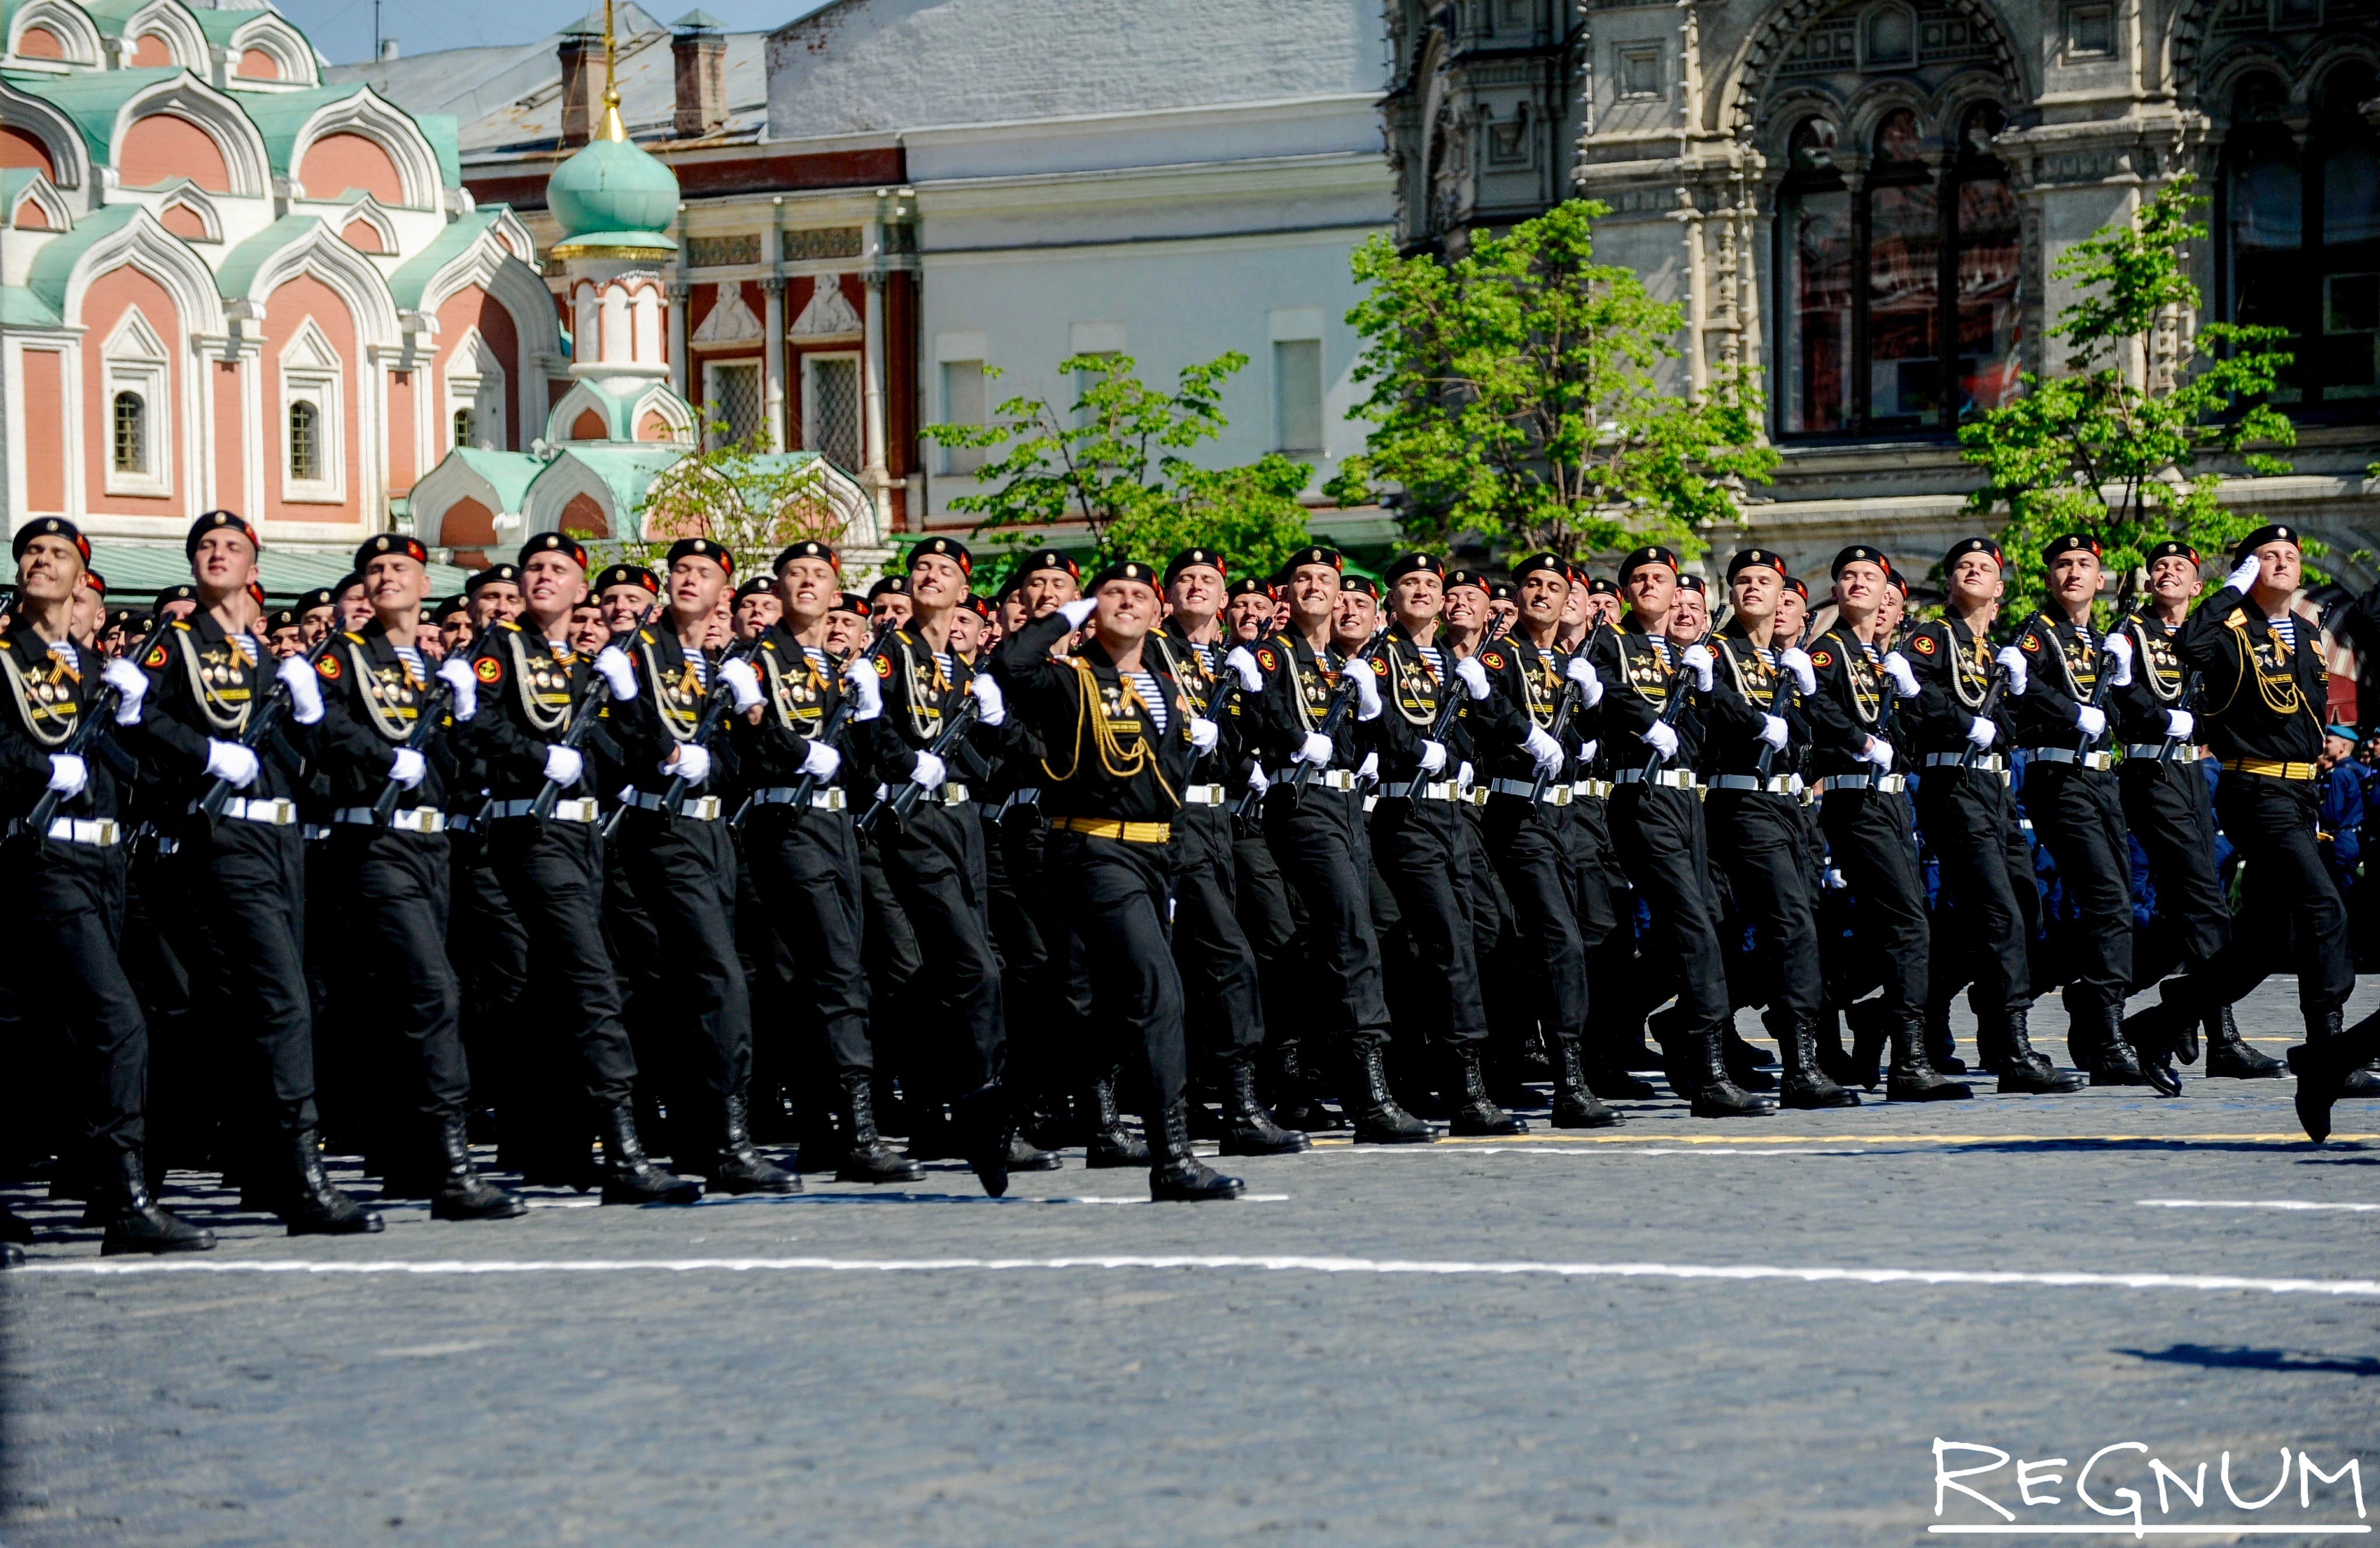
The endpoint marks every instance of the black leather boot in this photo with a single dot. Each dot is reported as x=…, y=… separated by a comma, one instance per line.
x=1204, y=1121
x=866, y=1157
x=2324, y=1066
x=629, y=1175
x=1716, y=1095
x=2359, y=1080
x=460, y=1193
x=1177, y=1176
x=1834, y=1060
x=1378, y=1119
x=312, y=1207
x=733, y=1166
x=1608, y=1078
x=11, y=1255
x=2112, y=1059
x=1942, y=1048
x=1872, y=1028
x=1110, y=1145
x=1742, y=1063
x=1991, y=1042
x=1577, y=1104
x=1807, y=1087
x=1475, y=1112
x=1248, y=1129
x=1914, y=1077
x=135, y=1222
x=986, y=1136
x=1025, y=1156
x=1301, y=1105
x=2229, y=1057
x=2024, y=1069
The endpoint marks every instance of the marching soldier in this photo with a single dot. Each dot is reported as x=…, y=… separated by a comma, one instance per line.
x=494, y=594
x=68, y=879
x=1120, y=734
x=392, y=870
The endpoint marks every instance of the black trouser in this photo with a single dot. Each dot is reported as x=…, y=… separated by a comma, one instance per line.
x=935, y=863
x=1993, y=905
x=489, y=946
x=2169, y=808
x=1113, y=896
x=66, y=926
x=2289, y=892
x=1217, y=965
x=1419, y=849
x=1658, y=833
x=1868, y=836
x=685, y=873
x=1268, y=917
x=1524, y=839
x=806, y=872
x=244, y=886
x=553, y=874
x=1043, y=986
x=395, y=887
x=1756, y=837
x=1317, y=842
x=2077, y=814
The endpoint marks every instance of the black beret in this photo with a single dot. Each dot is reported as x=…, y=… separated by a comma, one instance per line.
x=1965, y=546
x=1313, y=553
x=216, y=521
x=1554, y=562
x=1008, y=588
x=981, y=606
x=852, y=601
x=1190, y=558
x=280, y=618
x=1601, y=586
x=1796, y=585
x=949, y=548
x=390, y=542
x=320, y=596
x=628, y=574
x=756, y=586
x=1050, y=559
x=808, y=548
x=1500, y=591
x=2173, y=548
x=51, y=527
x=95, y=580
x=348, y=583
x=1692, y=583
x=129, y=619
x=1125, y=569
x=555, y=542
x=453, y=606
x=700, y=548
x=2277, y=532
x=494, y=575
x=1654, y=554
x=1363, y=583
x=1413, y=564
x=1755, y=558
x=2069, y=542
x=1248, y=586
x=1859, y=553
x=173, y=595
x=890, y=585
x=1897, y=580
x=1465, y=578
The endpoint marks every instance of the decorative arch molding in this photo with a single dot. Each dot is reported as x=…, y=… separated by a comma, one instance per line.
x=374, y=117
x=2332, y=49
x=1880, y=100
x=357, y=282
x=368, y=210
x=77, y=36
x=272, y=36
x=145, y=244
x=454, y=481
x=509, y=230
x=2249, y=56
x=490, y=263
x=49, y=207
x=567, y=479
x=216, y=114
x=659, y=402
x=563, y=421
x=186, y=195
x=1750, y=75
x=172, y=21
x=56, y=133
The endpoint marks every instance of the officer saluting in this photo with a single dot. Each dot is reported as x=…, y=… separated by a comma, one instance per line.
x=1121, y=734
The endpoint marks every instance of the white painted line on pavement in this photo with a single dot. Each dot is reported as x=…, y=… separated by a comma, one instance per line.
x=2076, y=1279
x=2252, y=1204
x=2211, y=1528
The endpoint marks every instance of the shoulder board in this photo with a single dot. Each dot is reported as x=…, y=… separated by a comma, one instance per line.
x=6, y=643
x=769, y=645
x=2239, y=616
x=182, y=624
x=508, y=626
x=646, y=635
x=352, y=635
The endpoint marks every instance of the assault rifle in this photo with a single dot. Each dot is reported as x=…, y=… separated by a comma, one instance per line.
x=1342, y=700
x=714, y=709
x=2173, y=744
x=1787, y=683
x=582, y=720
x=97, y=717
x=829, y=735
x=425, y=726
x=1671, y=708
x=266, y=716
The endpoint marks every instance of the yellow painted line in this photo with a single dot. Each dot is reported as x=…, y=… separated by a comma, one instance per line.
x=1643, y=1136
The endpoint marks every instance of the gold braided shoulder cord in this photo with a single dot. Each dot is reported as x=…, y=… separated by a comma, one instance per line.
x=208, y=704
x=1667, y=671
x=914, y=675
x=677, y=723
x=385, y=719
x=1118, y=764
x=1396, y=681
x=2145, y=670
x=32, y=711
x=2279, y=693
x=1867, y=700
x=1970, y=670
x=540, y=718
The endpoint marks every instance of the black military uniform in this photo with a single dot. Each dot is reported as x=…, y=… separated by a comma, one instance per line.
x=532, y=692
x=1867, y=828
x=67, y=881
x=1120, y=749
x=2070, y=793
x=391, y=874
x=1968, y=813
x=2170, y=811
x=1217, y=966
x=241, y=875
x=804, y=864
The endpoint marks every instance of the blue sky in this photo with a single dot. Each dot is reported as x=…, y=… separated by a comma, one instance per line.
x=343, y=29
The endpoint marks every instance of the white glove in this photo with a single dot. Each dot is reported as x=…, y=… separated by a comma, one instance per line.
x=562, y=765
x=1773, y=731
x=1241, y=662
x=69, y=773
x=1796, y=660
x=614, y=663
x=1982, y=732
x=1590, y=687
x=1473, y=676
x=409, y=767
x=859, y=677
x=1463, y=774
x=1316, y=749
x=821, y=761
x=1433, y=756
x=992, y=709
x=2011, y=661
x=1903, y=676
x=1077, y=610
x=2090, y=719
x=1879, y=752
x=1586, y=751
x=2178, y=724
x=2244, y=575
x=232, y=763
x=692, y=764
x=1369, y=768
x=1543, y=751
x=1662, y=738
x=1698, y=661
x=1835, y=880
x=305, y=692
x=743, y=680
x=2119, y=651
x=928, y=771
x=131, y=683
x=1367, y=690
x=1258, y=780
x=456, y=673
x=1204, y=734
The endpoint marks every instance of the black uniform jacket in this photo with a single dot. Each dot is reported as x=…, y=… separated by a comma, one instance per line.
x=2266, y=698
x=371, y=702
x=1106, y=756
x=47, y=695
x=202, y=687
x=1745, y=684
x=1299, y=683
x=1639, y=676
x=920, y=694
x=2063, y=664
x=530, y=690
x=2160, y=682
x=799, y=697
x=1848, y=707
x=1528, y=687
x=1955, y=669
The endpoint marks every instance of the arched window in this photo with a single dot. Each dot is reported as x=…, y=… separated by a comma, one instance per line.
x=131, y=434
x=1898, y=297
x=305, y=443
x=466, y=429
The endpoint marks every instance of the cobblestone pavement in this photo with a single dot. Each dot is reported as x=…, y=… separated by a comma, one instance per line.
x=1436, y=1347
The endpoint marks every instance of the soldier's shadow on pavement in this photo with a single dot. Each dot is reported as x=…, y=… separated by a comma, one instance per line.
x=2241, y=1358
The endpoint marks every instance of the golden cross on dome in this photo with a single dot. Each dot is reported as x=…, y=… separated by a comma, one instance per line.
x=613, y=129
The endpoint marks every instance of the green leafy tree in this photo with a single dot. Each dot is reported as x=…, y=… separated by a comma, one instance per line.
x=2116, y=449
x=1115, y=461
x=1522, y=393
